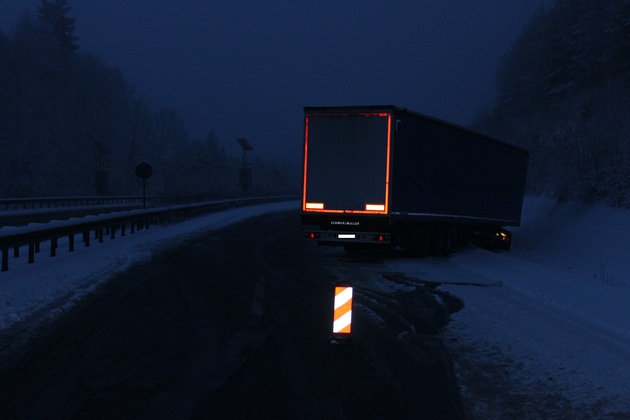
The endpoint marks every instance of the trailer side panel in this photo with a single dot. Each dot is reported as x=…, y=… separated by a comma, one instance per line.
x=442, y=172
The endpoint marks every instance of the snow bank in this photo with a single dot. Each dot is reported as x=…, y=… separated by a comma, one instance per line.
x=557, y=305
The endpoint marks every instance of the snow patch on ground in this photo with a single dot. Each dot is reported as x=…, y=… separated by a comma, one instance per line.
x=557, y=306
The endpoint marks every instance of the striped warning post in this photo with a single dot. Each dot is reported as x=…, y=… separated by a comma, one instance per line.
x=342, y=324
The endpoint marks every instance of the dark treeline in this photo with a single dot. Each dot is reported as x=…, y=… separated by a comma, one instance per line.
x=564, y=93
x=66, y=116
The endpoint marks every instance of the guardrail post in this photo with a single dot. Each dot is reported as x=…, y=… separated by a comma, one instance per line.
x=100, y=235
x=112, y=231
x=16, y=251
x=71, y=242
x=31, y=252
x=122, y=229
x=53, y=247
x=86, y=238
x=5, y=259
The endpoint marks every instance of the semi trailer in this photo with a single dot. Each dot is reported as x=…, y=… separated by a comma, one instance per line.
x=385, y=176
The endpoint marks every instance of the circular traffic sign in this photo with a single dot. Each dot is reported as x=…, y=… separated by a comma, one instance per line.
x=144, y=170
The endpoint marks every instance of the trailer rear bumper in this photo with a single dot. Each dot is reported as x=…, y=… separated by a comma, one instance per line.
x=328, y=237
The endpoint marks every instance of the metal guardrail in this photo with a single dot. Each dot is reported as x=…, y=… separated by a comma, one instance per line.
x=32, y=203
x=8, y=204
x=110, y=225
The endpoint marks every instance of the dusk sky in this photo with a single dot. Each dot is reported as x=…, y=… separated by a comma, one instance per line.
x=247, y=68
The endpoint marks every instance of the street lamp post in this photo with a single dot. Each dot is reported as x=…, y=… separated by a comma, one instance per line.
x=245, y=172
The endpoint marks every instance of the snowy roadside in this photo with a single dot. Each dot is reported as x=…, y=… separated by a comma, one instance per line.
x=550, y=334
x=54, y=284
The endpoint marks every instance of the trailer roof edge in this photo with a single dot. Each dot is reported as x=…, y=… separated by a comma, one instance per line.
x=418, y=114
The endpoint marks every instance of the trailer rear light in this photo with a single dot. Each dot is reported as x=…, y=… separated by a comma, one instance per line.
x=503, y=237
x=375, y=207
x=381, y=238
x=346, y=236
x=312, y=235
x=314, y=206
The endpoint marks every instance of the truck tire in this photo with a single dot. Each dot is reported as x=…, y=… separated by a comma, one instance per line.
x=417, y=241
x=365, y=249
x=353, y=249
x=445, y=241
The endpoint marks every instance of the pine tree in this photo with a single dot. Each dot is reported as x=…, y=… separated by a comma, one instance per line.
x=563, y=92
x=55, y=14
x=620, y=30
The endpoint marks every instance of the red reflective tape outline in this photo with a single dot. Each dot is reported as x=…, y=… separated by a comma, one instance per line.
x=370, y=208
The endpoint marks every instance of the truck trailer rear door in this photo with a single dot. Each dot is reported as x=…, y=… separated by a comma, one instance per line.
x=346, y=162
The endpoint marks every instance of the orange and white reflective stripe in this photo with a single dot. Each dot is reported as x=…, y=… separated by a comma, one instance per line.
x=343, y=310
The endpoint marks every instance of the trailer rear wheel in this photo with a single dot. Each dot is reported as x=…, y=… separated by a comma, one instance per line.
x=353, y=249
x=445, y=240
x=366, y=249
x=417, y=241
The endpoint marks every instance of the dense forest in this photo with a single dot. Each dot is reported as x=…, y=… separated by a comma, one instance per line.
x=72, y=125
x=564, y=93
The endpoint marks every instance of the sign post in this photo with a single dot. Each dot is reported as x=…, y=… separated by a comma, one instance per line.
x=342, y=318
x=144, y=170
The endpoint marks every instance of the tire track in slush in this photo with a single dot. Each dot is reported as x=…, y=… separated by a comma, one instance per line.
x=301, y=400
x=213, y=360
x=53, y=401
